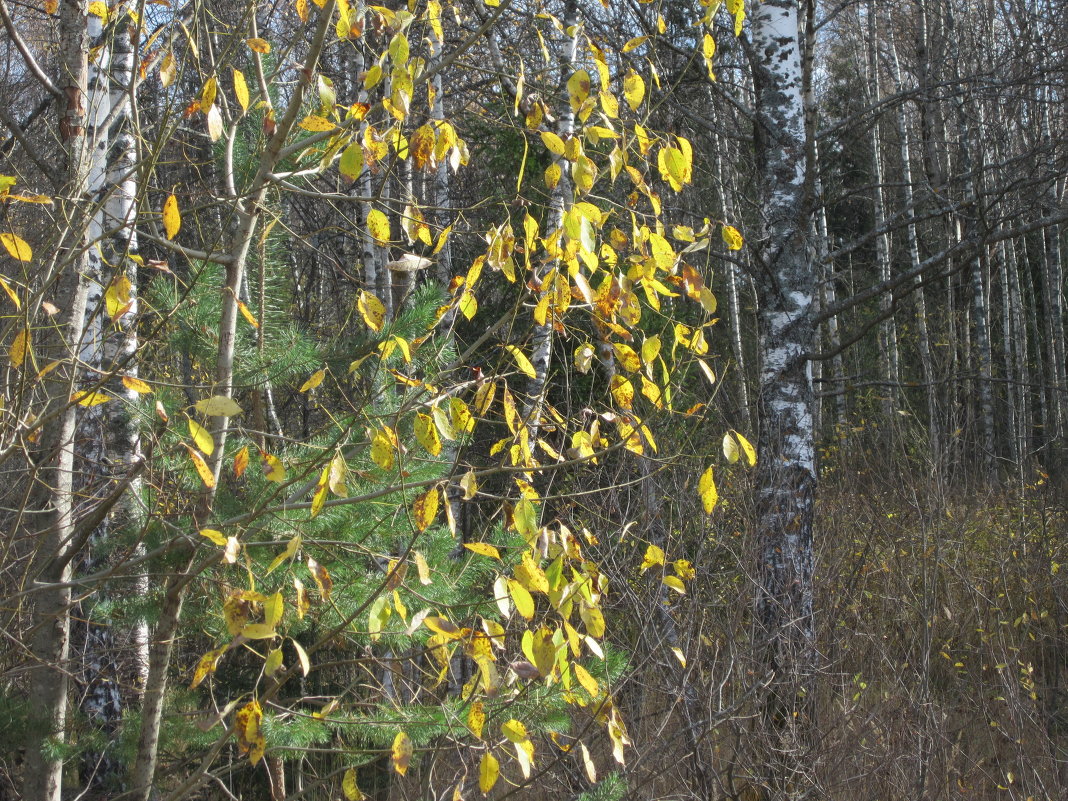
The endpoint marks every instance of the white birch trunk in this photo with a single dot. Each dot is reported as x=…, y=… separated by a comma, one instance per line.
x=786, y=478
x=919, y=297
x=108, y=438
x=888, y=353
x=560, y=201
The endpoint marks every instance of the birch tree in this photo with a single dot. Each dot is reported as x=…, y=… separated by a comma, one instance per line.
x=786, y=480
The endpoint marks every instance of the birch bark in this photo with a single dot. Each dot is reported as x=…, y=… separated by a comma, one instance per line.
x=786, y=477
x=559, y=202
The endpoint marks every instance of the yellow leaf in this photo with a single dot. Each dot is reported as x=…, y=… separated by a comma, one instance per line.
x=747, y=448
x=208, y=92
x=588, y=682
x=553, y=142
x=273, y=663
x=731, y=451
x=10, y=292
x=427, y=434
x=372, y=310
x=483, y=549
x=206, y=666
x=737, y=8
x=172, y=218
x=273, y=608
x=675, y=583
x=315, y=380
x=258, y=631
x=476, y=718
x=259, y=45
x=248, y=315
x=635, y=43
x=217, y=406
x=652, y=392
x=90, y=399
x=587, y=762
x=488, y=771
x=552, y=175
x=623, y=391
x=514, y=730
x=98, y=8
x=627, y=357
x=706, y=488
x=425, y=509
x=215, y=536
x=351, y=163
x=378, y=227
x=524, y=601
x=168, y=68
x=302, y=655
x=16, y=247
x=136, y=385
x=732, y=237
x=273, y=468
x=469, y=484
x=443, y=626
x=349, y=788
x=654, y=555
x=401, y=754
x=201, y=436
x=248, y=723
x=337, y=476
x=525, y=367
x=593, y=619
x=241, y=462
x=462, y=420
x=382, y=450
x=633, y=89
x=322, y=489
x=117, y=296
x=20, y=347
x=321, y=576
x=240, y=88
x=313, y=122
x=201, y=467
x=288, y=553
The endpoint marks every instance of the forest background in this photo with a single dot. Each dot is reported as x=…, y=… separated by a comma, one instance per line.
x=515, y=399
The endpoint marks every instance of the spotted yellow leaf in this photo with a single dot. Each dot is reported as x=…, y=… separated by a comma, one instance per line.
x=427, y=434
x=425, y=509
x=372, y=310
x=273, y=468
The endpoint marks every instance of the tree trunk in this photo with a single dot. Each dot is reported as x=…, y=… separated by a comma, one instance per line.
x=108, y=438
x=786, y=476
x=888, y=353
x=50, y=638
x=923, y=336
x=559, y=203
